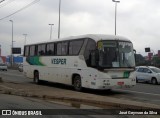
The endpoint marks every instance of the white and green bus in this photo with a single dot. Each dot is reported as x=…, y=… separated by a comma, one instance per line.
x=87, y=61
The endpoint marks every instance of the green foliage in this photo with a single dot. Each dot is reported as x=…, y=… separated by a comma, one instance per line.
x=156, y=61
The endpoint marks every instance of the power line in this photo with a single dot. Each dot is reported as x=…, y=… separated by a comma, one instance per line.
x=10, y=1
x=35, y=1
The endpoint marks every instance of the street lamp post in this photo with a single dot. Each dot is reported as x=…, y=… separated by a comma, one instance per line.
x=51, y=31
x=59, y=19
x=25, y=35
x=12, y=44
x=115, y=13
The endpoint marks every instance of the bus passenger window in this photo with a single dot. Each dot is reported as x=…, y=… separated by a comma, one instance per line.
x=32, y=50
x=26, y=51
x=59, y=48
x=50, y=49
x=64, y=48
x=41, y=49
x=91, y=46
x=75, y=46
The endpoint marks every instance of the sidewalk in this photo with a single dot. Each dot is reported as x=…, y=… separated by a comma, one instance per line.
x=53, y=93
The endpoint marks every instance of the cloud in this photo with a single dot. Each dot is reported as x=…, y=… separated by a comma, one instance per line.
x=137, y=20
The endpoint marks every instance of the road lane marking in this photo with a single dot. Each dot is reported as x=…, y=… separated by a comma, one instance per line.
x=139, y=92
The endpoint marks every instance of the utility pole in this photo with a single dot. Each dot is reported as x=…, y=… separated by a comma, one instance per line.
x=51, y=31
x=115, y=14
x=12, y=44
x=59, y=19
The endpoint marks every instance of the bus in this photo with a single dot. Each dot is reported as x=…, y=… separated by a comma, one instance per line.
x=86, y=61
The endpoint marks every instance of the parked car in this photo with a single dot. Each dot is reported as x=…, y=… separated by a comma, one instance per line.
x=149, y=74
x=3, y=67
x=20, y=67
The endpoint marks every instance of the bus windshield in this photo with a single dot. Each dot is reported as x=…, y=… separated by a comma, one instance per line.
x=116, y=54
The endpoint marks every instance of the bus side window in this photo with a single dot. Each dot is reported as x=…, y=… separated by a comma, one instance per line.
x=64, y=48
x=94, y=58
x=50, y=49
x=42, y=52
x=59, y=48
x=41, y=49
x=75, y=46
x=36, y=50
x=91, y=46
x=32, y=50
x=26, y=51
x=49, y=52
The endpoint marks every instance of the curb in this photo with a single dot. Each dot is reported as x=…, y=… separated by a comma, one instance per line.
x=11, y=91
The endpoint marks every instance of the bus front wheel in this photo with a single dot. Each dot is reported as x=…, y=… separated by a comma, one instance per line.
x=36, y=77
x=77, y=83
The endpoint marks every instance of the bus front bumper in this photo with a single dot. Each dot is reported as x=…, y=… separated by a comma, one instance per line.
x=113, y=83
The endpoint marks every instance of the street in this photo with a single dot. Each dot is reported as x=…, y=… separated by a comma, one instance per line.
x=47, y=109
x=11, y=102
x=141, y=92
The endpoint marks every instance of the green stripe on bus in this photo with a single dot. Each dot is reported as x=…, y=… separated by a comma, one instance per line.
x=34, y=61
x=126, y=74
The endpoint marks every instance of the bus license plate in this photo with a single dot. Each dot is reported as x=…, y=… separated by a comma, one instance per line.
x=120, y=83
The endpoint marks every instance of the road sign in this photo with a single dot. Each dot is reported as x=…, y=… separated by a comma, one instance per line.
x=16, y=50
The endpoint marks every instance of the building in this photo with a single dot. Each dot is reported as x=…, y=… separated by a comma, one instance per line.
x=16, y=60
x=2, y=59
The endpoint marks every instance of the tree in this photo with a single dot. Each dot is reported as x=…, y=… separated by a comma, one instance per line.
x=156, y=61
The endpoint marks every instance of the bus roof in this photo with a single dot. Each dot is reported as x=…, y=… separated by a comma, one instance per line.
x=96, y=37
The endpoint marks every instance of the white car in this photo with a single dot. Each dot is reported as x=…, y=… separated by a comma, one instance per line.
x=148, y=74
x=3, y=67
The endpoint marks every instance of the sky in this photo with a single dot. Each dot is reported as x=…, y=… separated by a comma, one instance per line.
x=137, y=20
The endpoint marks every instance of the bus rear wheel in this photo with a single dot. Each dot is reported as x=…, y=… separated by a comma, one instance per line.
x=77, y=83
x=36, y=77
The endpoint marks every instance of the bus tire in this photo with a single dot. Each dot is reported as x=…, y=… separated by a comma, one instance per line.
x=36, y=77
x=77, y=83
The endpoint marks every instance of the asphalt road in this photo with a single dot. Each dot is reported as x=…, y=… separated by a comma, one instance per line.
x=25, y=105
x=141, y=92
x=17, y=103
x=14, y=76
x=47, y=109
